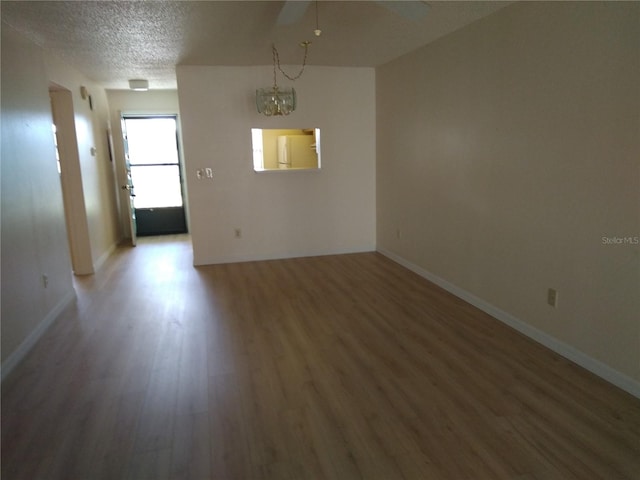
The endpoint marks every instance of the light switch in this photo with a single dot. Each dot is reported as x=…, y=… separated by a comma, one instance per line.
x=202, y=173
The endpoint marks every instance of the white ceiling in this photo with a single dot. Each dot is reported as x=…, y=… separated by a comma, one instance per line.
x=113, y=41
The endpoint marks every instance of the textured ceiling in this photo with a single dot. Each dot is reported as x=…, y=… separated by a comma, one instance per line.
x=113, y=41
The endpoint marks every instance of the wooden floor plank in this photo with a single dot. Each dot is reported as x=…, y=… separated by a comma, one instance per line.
x=326, y=368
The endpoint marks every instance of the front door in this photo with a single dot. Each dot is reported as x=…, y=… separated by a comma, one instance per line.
x=153, y=167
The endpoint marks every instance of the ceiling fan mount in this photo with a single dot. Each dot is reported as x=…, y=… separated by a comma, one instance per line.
x=293, y=10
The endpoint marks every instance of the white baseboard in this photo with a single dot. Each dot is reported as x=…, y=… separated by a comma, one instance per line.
x=103, y=258
x=602, y=370
x=25, y=347
x=277, y=256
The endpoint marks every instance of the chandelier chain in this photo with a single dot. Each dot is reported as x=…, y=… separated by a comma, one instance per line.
x=274, y=52
x=276, y=61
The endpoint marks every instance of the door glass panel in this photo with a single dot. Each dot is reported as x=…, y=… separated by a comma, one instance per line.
x=151, y=140
x=156, y=186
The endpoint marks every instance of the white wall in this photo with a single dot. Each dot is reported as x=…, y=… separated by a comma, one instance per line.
x=128, y=101
x=507, y=151
x=280, y=214
x=34, y=239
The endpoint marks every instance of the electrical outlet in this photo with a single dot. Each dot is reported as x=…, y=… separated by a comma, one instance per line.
x=237, y=233
x=45, y=280
x=552, y=297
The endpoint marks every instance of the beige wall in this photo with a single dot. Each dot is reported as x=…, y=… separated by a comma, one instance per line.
x=281, y=214
x=98, y=172
x=34, y=240
x=147, y=103
x=505, y=154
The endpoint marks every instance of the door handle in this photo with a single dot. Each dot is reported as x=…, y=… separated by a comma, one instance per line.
x=129, y=188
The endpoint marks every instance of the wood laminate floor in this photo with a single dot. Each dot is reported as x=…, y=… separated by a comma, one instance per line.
x=339, y=367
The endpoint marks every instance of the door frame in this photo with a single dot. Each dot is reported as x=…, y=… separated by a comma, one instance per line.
x=127, y=187
x=125, y=214
x=63, y=116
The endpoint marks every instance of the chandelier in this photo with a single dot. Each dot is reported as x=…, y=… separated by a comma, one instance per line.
x=274, y=101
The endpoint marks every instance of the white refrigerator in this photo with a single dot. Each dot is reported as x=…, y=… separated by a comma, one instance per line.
x=297, y=151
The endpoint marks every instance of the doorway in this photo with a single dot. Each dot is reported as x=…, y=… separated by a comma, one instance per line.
x=152, y=160
x=68, y=163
